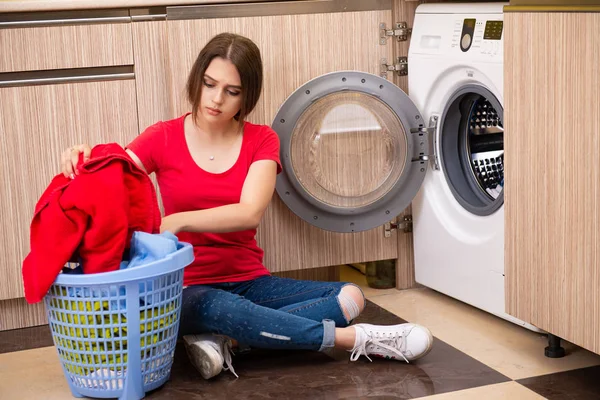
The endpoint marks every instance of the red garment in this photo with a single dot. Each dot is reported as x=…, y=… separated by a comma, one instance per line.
x=93, y=216
x=184, y=186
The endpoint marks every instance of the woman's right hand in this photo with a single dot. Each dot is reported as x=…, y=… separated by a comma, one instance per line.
x=70, y=157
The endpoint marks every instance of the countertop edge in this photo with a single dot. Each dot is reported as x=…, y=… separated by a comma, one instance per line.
x=8, y=6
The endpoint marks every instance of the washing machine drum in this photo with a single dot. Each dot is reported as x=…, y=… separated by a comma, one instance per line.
x=472, y=149
x=354, y=151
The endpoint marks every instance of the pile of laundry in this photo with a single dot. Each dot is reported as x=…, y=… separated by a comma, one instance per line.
x=105, y=219
x=90, y=219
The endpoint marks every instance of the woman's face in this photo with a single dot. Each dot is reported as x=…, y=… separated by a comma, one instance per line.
x=221, y=91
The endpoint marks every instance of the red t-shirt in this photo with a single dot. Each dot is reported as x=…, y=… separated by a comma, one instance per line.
x=184, y=186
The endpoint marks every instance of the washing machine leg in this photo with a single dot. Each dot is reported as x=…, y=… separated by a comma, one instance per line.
x=554, y=349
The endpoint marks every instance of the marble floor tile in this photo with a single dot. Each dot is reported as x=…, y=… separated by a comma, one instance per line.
x=500, y=391
x=510, y=349
x=32, y=375
x=580, y=384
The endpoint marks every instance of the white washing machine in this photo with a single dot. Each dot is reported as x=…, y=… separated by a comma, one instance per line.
x=458, y=214
x=356, y=151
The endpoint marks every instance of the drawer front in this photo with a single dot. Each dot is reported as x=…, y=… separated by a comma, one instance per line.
x=64, y=47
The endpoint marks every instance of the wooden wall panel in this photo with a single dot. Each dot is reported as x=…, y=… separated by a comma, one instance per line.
x=325, y=274
x=154, y=99
x=552, y=110
x=58, y=47
x=151, y=56
x=37, y=124
x=17, y=313
x=290, y=59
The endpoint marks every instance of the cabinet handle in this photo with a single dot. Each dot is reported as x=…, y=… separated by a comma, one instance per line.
x=30, y=78
x=158, y=13
x=58, y=18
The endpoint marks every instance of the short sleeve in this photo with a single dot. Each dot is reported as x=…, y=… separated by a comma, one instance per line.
x=268, y=147
x=147, y=146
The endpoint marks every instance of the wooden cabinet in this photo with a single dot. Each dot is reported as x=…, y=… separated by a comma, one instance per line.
x=58, y=47
x=65, y=78
x=37, y=123
x=292, y=55
x=552, y=114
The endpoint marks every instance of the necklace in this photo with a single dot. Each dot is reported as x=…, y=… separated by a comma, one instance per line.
x=211, y=158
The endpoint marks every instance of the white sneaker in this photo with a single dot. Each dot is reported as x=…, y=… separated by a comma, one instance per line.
x=208, y=353
x=405, y=341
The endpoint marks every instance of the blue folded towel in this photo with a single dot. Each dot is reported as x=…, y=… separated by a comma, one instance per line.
x=147, y=248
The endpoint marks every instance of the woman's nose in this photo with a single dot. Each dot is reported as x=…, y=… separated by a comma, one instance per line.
x=218, y=99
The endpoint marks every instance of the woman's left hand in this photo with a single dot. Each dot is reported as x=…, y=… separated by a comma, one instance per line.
x=171, y=223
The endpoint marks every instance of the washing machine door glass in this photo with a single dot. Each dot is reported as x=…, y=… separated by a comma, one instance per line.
x=353, y=150
x=348, y=149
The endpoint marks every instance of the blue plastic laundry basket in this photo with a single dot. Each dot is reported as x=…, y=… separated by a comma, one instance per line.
x=115, y=332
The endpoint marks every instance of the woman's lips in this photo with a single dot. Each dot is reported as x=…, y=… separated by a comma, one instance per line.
x=213, y=111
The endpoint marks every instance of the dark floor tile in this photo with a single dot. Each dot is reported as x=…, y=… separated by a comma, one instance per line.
x=313, y=375
x=578, y=384
x=25, y=339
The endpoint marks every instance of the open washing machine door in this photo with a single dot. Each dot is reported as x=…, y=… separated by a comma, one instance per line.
x=354, y=150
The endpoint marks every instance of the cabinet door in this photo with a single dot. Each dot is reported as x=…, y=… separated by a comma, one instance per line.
x=151, y=51
x=36, y=124
x=151, y=55
x=552, y=177
x=295, y=49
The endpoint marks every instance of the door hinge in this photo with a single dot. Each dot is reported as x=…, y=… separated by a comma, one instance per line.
x=401, y=66
x=400, y=32
x=405, y=225
x=426, y=138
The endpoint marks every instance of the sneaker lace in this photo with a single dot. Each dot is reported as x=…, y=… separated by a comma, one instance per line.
x=394, y=343
x=227, y=352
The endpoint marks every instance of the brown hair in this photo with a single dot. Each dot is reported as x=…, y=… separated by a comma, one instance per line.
x=245, y=55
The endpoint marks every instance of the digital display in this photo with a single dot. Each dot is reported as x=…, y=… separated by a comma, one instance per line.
x=493, y=30
x=470, y=23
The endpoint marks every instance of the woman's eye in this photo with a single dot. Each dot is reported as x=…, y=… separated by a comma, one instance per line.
x=233, y=93
x=208, y=85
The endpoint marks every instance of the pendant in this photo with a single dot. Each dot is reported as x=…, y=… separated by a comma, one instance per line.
x=211, y=158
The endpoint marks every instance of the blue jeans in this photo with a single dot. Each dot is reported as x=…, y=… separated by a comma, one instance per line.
x=267, y=312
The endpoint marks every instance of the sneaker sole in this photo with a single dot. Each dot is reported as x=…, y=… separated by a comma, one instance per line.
x=205, y=359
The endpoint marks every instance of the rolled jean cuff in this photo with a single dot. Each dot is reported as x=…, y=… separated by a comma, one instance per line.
x=328, y=335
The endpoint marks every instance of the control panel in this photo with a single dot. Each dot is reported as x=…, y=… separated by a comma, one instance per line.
x=469, y=36
x=481, y=36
